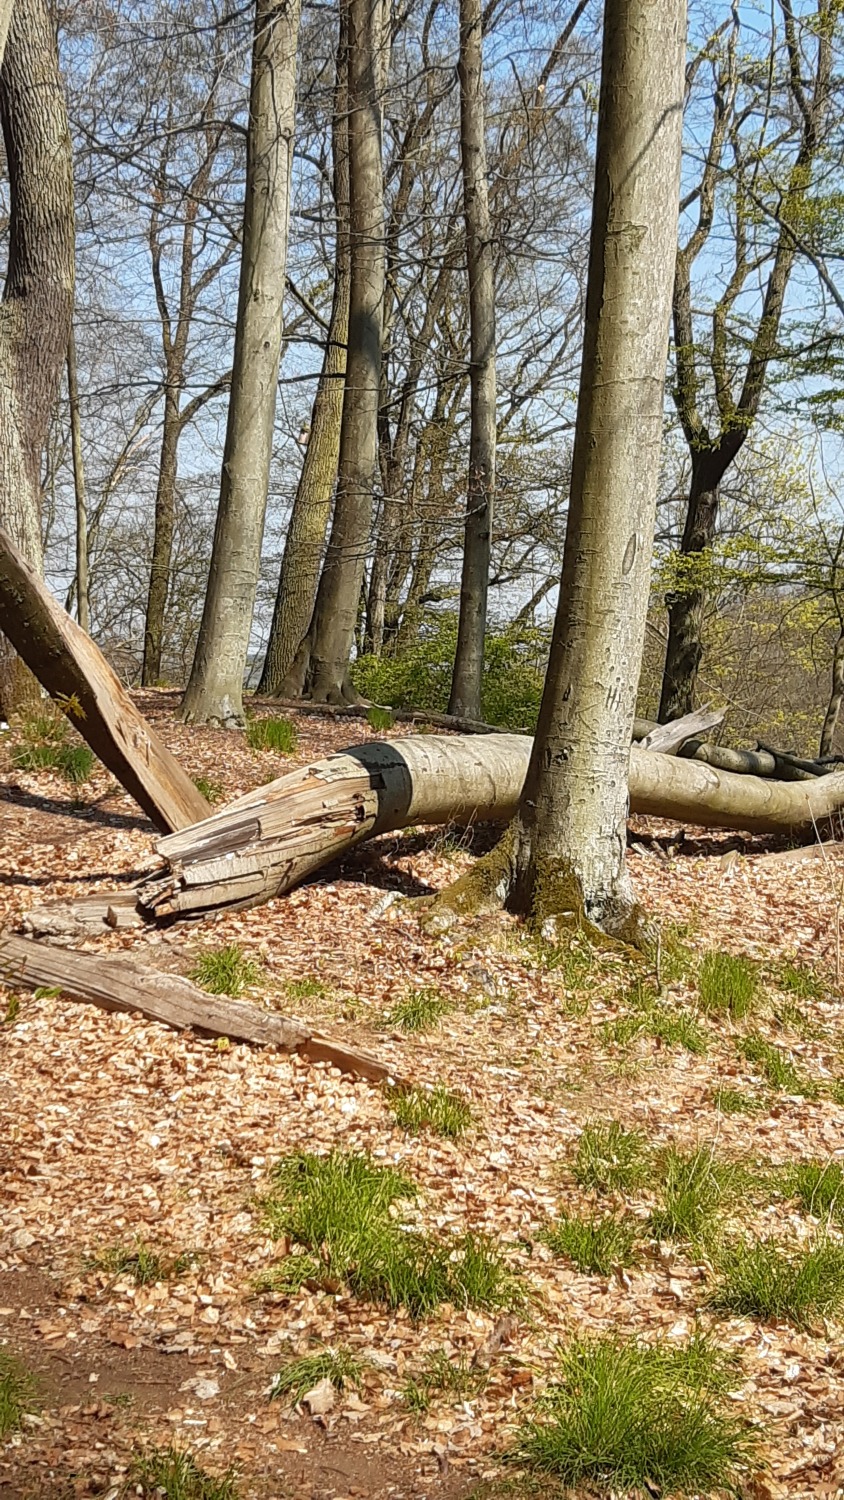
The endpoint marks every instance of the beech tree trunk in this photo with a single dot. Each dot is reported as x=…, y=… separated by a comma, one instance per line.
x=215, y=691
x=563, y=857
x=36, y=311
x=836, y=695
x=465, y=698
x=336, y=611
x=305, y=540
x=83, y=609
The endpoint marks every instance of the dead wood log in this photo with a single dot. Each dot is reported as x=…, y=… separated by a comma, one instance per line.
x=121, y=984
x=273, y=838
x=80, y=680
x=668, y=739
x=429, y=718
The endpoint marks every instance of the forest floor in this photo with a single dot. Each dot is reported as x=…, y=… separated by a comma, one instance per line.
x=119, y=1137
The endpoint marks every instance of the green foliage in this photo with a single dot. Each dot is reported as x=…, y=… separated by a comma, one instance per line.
x=338, y=1208
x=435, y=1109
x=380, y=719
x=692, y=1188
x=13, y=1005
x=441, y=1375
x=836, y=1091
x=418, y=1010
x=278, y=735
x=767, y=1280
x=734, y=1102
x=308, y=987
x=611, y=1159
x=225, y=971
x=594, y=1245
x=212, y=791
x=776, y=1066
x=626, y=1416
x=818, y=1187
x=145, y=1265
x=514, y=672
x=647, y=1017
x=301, y=1375
x=46, y=742
x=173, y=1474
x=17, y=1395
x=728, y=984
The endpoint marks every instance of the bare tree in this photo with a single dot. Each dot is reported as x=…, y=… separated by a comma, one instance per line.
x=563, y=857
x=214, y=692
x=36, y=311
x=83, y=603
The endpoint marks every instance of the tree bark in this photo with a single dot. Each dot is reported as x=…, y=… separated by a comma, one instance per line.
x=78, y=677
x=563, y=857
x=836, y=695
x=336, y=610
x=303, y=547
x=215, y=690
x=83, y=607
x=467, y=677
x=36, y=311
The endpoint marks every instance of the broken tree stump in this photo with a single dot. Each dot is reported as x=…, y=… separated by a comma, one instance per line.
x=121, y=984
x=80, y=680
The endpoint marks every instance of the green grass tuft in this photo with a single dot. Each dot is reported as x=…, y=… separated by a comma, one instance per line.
x=341, y=1209
x=173, y=1474
x=734, y=1102
x=17, y=1395
x=442, y=1375
x=306, y=988
x=799, y=980
x=594, y=1245
x=418, y=1010
x=212, y=791
x=691, y=1193
x=380, y=718
x=776, y=1066
x=836, y=1091
x=728, y=984
x=145, y=1265
x=611, y=1159
x=647, y=1017
x=818, y=1186
x=436, y=1109
x=766, y=1280
x=301, y=1375
x=225, y=971
x=624, y=1416
x=278, y=735
x=44, y=745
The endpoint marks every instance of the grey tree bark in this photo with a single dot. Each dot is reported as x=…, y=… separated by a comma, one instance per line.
x=305, y=540
x=338, y=596
x=563, y=857
x=36, y=311
x=836, y=695
x=465, y=698
x=83, y=607
x=215, y=690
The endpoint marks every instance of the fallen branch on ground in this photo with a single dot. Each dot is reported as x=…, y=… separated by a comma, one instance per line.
x=121, y=984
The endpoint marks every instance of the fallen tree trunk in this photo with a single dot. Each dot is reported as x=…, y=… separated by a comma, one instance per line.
x=80, y=680
x=669, y=739
x=273, y=838
x=121, y=984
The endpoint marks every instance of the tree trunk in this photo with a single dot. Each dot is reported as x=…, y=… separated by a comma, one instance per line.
x=686, y=605
x=336, y=610
x=35, y=315
x=215, y=690
x=83, y=609
x=466, y=681
x=830, y=722
x=162, y=538
x=563, y=857
x=303, y=547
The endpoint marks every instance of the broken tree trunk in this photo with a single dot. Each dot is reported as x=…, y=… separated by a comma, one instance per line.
x=273, y=838
x=668, y=739
x=120, y=984
x=80, y=680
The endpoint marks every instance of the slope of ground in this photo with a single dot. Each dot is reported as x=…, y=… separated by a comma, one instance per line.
x=121, y=1138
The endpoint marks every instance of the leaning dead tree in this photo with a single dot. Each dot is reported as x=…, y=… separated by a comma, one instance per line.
x=79, y=679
